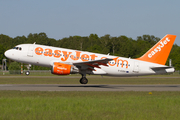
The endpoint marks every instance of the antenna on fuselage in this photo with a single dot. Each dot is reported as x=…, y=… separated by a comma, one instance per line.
x=34, y=43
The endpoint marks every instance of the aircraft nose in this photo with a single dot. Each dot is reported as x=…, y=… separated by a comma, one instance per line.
x=8, y=54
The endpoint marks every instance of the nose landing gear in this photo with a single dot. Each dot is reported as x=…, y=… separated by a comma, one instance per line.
x=27, y=72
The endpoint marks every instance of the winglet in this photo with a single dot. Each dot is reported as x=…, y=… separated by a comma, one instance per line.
x=159, y=52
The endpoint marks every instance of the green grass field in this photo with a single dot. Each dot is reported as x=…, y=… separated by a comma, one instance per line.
x=19, y=105
x=37, y=105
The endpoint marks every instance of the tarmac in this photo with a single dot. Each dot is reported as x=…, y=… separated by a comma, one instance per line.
x=88, y=87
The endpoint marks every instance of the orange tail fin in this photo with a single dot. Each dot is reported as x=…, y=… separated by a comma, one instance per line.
x=159, y=52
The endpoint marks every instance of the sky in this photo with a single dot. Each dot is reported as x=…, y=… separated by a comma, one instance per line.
x=64, y=18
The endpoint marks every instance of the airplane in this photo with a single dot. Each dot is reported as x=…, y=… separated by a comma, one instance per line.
x=68, y=61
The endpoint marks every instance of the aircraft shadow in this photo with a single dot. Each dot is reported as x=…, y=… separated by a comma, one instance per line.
x=117, y=86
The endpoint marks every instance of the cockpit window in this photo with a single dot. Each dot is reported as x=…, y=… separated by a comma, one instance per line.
x=17, y=48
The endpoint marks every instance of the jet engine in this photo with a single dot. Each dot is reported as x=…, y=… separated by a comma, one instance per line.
x=63, y=69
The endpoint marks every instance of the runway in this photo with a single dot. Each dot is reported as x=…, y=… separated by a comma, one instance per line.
x=88, y=87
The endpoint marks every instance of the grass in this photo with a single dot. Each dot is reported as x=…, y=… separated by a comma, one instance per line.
x=30, y=105
x=74, y=105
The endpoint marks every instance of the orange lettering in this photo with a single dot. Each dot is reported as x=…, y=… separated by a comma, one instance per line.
x=122, y=62
x=57, y=53
x=39, y=51
x=103, y=57
x=66, y=55
x=115, y=60
x=93, y=57
x=48, y=52
x=85, y=57
x=77, y=56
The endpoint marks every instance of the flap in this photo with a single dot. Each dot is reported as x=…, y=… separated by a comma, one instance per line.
x=95, y=63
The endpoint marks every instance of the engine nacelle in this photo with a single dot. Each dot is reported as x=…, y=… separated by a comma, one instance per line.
x=63, y=69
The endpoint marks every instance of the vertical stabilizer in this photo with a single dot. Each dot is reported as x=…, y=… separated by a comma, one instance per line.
x=159, y=52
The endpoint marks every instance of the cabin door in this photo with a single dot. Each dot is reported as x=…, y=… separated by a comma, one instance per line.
x=30, y=50
x=136, y=67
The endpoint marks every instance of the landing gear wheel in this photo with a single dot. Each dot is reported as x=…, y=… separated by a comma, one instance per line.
x=83, y=80
x=27, y=72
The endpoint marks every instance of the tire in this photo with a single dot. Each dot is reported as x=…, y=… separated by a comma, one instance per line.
x=83, y=80
x=27, y=72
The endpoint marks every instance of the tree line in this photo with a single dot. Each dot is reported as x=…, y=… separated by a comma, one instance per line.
x=118, y=46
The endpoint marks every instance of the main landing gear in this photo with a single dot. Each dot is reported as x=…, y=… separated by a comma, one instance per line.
x=83, y=80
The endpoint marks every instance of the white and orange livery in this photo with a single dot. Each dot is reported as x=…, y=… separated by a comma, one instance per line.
x=67, y=61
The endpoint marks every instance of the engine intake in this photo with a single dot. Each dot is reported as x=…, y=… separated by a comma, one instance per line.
x=63, y=69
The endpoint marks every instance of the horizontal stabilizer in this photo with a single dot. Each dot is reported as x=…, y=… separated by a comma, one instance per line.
x=160, y=68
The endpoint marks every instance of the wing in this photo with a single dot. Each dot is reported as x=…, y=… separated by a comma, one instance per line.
x=92, y=64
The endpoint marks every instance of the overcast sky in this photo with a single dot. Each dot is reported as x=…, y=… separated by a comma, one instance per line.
x=64, y=18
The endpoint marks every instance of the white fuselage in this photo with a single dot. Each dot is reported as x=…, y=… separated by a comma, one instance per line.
x=46, y=55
